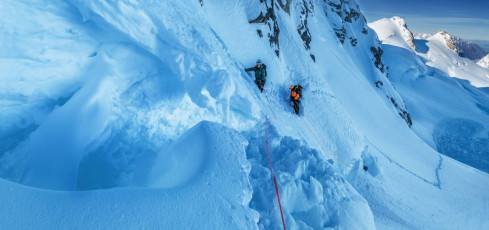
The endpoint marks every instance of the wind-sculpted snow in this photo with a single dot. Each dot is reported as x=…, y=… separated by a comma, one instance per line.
x=204, y=189
x=137, y=90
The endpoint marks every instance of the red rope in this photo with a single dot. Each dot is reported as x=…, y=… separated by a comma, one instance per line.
x=306, y=121
x=278, y=198
x=273, y=173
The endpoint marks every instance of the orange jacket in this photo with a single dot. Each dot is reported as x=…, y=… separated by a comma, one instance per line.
x=294, y=95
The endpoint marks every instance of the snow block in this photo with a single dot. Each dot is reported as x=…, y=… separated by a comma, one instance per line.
x=313, y=193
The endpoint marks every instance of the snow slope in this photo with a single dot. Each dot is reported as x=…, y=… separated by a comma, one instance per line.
x=152, y=109
x=433, y=78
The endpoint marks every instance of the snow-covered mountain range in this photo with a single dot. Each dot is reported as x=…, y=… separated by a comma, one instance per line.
x=139, y=114
x=461, y=47
x=457, y=130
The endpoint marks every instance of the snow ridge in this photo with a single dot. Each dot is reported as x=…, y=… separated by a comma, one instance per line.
x=384, y=26
x=484, y=62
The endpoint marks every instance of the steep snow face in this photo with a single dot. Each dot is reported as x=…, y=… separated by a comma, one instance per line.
x=149, y=77
x=394, y=26
x=484, y=62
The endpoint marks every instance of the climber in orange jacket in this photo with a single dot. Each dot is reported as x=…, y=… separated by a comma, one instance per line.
x=295, y=95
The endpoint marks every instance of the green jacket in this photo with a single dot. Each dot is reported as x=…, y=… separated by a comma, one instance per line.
x=260, y=74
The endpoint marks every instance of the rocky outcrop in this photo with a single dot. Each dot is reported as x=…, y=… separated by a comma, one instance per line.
x=449, y=40
x=306, y=8
x=406, y=34
x=344, y=12
x=267, y=16
x=347, y=23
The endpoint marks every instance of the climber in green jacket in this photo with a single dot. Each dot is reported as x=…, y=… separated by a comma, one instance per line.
x=260, y=74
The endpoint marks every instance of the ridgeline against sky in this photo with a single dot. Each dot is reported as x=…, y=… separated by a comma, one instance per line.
x=467, y=19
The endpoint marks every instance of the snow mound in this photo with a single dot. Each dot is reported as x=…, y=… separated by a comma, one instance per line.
x=211, y=193
x=393, y=27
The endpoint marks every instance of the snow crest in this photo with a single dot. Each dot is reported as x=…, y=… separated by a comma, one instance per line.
x=386, y=26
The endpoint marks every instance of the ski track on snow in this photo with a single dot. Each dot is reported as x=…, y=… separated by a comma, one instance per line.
x=436, y=184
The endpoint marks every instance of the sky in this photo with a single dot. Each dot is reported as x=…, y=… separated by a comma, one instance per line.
x=468, y=19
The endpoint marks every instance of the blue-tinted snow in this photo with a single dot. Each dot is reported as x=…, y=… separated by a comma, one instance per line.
x=101, y=94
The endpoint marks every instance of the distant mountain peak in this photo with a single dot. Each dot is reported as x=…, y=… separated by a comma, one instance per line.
x=399, y=26
x=422, y=36
x=461, y=47
x=449, y=39
x=406, y=33
x=484, y=62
